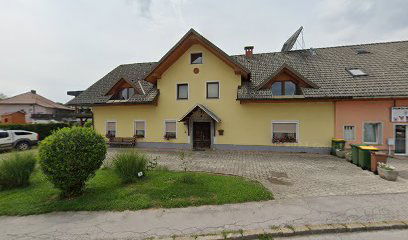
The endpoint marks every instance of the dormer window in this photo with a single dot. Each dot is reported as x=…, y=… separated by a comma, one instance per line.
x=196, y=58
x=284, y=88
x=124, y=94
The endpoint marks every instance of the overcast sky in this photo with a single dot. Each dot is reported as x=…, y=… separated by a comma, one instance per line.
x=59, y=45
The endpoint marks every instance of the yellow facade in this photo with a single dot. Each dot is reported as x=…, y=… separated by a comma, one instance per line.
x=243, y=124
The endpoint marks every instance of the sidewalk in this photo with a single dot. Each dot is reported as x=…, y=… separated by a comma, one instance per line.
x=206, y=219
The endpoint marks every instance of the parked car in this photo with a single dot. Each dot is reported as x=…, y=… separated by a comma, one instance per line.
x=18, y=139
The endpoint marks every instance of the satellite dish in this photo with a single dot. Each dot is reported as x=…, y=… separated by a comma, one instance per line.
x=288, y=45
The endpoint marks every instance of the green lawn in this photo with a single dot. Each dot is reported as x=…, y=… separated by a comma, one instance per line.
x=158, y=189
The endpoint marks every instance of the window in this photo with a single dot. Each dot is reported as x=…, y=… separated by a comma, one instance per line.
x=213, y=90
x=277, y=88
x=4, y=134
x=284, y=132
x=285, y=88
x=372, y=133
x=140, y=128
x=196, y=58
x=125, y=94
x=110, y=129
x=170, y=129
x=22, y=133
x=290, y=88
x=349, y=133
x=356, y=72
x=182, y=91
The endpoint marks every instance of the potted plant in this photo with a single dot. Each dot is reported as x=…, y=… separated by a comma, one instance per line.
x=169, y=136
x=340, y=153
x=387, y=172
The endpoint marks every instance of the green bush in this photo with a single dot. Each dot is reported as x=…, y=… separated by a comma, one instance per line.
x=70, y=156
x=130, y=165
x=43, y=129
x=15, y=171
x=88, y=123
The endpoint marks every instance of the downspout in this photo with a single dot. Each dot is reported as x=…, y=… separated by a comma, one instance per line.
x=335, y=117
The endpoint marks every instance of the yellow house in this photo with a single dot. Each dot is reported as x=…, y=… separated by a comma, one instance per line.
x=197, y=96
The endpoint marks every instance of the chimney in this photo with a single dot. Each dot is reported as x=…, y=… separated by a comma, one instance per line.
x=33, y=92
x=249, y=51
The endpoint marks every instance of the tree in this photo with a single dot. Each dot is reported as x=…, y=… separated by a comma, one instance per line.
x=2, y=96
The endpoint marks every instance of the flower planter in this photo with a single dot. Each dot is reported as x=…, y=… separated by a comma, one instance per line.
x=377, y=157
x=390, y=175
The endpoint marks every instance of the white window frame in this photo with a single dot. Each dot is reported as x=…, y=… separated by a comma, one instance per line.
x=287, y=121
x=354, y=132
x=170, y=120
x=219, y=90
x=116, y=127
x=188, y=92
x=134, y=127
x=202, y=56
x=380, y=133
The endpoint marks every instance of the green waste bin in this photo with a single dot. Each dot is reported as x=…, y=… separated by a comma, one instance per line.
x=354, y=153
x=364, y=156
x=337, y=143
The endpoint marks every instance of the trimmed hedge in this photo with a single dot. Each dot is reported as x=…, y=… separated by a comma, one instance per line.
x=43, y=129
x=70, y=156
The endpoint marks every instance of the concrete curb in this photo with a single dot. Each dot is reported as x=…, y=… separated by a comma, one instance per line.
x=290, y=231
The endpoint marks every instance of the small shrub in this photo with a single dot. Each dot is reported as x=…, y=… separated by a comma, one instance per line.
x=130, y=165
x=88, y=124
x=15, y=171
x=70, y=156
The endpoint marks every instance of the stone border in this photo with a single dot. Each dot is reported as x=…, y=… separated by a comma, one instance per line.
x=290, y=231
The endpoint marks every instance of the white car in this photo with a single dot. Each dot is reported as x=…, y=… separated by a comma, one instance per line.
x=18, y=139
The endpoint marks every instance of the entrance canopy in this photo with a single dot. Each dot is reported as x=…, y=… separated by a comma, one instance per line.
x=187, y=116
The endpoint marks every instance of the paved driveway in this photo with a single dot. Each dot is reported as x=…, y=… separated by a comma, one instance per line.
x=289, y=175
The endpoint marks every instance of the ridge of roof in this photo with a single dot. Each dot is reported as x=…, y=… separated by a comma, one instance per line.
x=320, y=48
x=299, y=50
x=32, y=98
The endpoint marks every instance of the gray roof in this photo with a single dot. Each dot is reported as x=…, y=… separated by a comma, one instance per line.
x=134, y=73
x=386, y=66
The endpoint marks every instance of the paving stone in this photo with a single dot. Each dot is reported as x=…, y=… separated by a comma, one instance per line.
x=287, y=175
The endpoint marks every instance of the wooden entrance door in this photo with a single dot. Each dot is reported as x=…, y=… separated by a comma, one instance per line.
x=201, y=135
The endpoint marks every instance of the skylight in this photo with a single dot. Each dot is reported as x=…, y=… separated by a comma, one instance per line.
x=361, y=51
x=356, y=72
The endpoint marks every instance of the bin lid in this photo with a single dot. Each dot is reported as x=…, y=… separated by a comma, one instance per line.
x=338, y=140
x=372, y=148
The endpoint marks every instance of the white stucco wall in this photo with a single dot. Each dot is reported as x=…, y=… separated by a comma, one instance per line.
x=29, y=109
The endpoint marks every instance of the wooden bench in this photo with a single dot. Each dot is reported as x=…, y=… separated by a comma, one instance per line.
x=122, y=141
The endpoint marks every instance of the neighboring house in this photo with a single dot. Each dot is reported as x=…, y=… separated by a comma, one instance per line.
x=33, y=105
x=197, y=96
x=13, y=118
